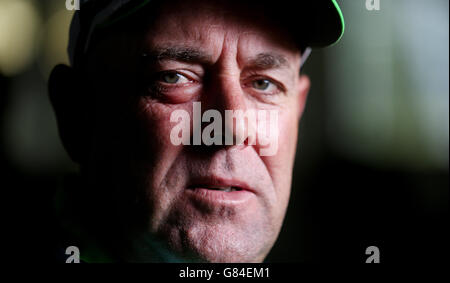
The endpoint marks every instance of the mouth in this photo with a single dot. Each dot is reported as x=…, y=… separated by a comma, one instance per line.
x=220, y=192
x=226, y=189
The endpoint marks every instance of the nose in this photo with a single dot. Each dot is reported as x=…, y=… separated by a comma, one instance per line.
x=224, y=93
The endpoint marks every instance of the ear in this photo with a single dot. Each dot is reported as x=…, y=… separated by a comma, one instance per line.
x=67, y=98
x=303, y=86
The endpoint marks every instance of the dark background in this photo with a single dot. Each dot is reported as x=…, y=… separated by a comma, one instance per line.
x=372, y=162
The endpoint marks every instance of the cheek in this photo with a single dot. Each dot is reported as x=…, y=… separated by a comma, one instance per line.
x=287, y=141
x=289, y=132
x=281, y=164
x=156, y=157
x=154, y=129
x=288, y=126
x=152, y=151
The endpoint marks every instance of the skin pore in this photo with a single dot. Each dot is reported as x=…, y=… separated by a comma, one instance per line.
x=228, y=57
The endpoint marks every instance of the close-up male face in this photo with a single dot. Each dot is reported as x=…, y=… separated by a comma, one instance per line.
x=224, y=203
x=225, y=131
x=221, y=202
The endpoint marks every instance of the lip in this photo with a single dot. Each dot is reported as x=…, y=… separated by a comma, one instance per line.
x=199, y=190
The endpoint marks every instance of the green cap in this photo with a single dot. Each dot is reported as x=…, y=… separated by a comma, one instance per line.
x=314, y=23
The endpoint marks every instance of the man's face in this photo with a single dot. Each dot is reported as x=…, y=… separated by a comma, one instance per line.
x=227, y=59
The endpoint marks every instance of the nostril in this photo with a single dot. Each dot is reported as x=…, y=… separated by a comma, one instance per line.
x=245, y=143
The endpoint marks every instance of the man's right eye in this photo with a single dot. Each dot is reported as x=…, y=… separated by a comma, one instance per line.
x=173, y=78
x=173, y=85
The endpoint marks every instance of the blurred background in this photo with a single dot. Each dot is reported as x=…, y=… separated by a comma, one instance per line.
x=373, y=157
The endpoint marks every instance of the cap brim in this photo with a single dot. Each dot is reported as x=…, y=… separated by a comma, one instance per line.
x=317, y=23
x=314, y=24
x=329, y=25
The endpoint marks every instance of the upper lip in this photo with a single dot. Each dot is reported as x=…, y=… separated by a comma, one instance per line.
x=217, y=182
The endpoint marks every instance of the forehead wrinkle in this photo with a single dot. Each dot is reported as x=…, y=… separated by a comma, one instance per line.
x=205, y=37
x=187, y=36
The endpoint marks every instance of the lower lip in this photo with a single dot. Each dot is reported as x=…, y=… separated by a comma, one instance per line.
x=220, y=197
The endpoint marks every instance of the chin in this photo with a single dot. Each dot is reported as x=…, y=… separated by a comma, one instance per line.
x=221, y=243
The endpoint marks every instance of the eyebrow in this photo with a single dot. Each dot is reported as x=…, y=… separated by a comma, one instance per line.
x=265, y=60
x=269, y=61
x=183, y=54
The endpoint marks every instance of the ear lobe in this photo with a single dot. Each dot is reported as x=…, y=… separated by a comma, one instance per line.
x=304, y=85
x=65, y=94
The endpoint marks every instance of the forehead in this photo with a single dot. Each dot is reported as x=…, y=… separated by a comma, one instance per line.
x=211, y=26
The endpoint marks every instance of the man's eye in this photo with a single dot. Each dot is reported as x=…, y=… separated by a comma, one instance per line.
x=261, y=84
x=173, y=78
x=266, y=86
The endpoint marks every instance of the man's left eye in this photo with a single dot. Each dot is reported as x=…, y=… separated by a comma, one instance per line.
x=261, y=84
x=265, y=85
